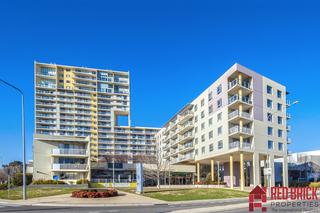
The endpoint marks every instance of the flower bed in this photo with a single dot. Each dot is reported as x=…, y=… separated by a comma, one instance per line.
x=94, y=193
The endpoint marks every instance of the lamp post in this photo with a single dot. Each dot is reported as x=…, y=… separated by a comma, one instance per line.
x=24, y=188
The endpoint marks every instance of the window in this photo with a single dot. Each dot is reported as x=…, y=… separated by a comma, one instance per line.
x=279, y=107
x=269, y=89
x=280, y=120
x=219, y=116
x=270, y=130
x=202, y=126
x=196, y=141
x=220, y=144
x=219, y=103
x=220, y=130
x=203, y=150
x=209, y=96
x=203, y=138
x=196, y=130
x=195, y=107
x=60, y=81
x=219, y=89
x=196, y=119
x=279, y=94
x=202, y=102
x=270, y=144
x=269, y=103
x=211, y=147
x=269, y=117
x=68, y=82
x=210, y=122
x=280, y=133
x=202, y=114
x=196, y=152
x=210, y=134
x=210, y=109
x=280, y=146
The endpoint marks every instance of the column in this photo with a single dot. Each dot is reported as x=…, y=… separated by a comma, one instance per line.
x=231, y=172
x=256, y=169
x=285, y=171
x=271, y=165
x=240, y=78
x=198, y=172
x=212, y=170
x=241, y=172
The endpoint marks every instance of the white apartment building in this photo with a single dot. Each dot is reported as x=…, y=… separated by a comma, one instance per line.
x=78, y=114
x=238, y=124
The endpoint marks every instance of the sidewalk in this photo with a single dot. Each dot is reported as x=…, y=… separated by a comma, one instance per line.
x=123, y=199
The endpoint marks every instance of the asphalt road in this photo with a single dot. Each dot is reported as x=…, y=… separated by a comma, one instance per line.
x=160, y=208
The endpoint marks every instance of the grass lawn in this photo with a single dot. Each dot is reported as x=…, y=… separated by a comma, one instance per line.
x=191, y=194
x=16, y=194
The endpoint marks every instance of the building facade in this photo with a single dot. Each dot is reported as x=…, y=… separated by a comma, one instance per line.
x=234, y=129
x=78, y=115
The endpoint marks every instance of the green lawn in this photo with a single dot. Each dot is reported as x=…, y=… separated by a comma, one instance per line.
x=192, y=194
x=16, y=194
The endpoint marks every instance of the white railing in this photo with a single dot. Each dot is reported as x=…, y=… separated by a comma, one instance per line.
x=246, y=100
x=246, y=145
x=246, y=130
x=186, y=157
x=69, y=151
x=233, y=114
x=233, y=99
x=232, y=83
x=234, y=129
x=237, y=129
x=246, y=115
x=234, y=144
x=57, y=166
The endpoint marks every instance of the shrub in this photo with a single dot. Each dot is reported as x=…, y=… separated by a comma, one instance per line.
x=17, y=179
x=53, y=182
x=94, y=193
x=3, y=186
x=82, y=181
x=315, y=185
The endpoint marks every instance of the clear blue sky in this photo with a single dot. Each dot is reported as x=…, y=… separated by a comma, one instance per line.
x=173, y=49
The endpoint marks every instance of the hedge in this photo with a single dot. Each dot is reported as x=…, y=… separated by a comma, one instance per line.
x=94, y=193
x=39, y=182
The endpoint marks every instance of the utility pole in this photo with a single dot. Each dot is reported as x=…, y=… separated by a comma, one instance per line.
x=24, y=187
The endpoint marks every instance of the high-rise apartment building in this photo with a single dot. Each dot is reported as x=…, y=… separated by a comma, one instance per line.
x=232, y=131
x=78, y=121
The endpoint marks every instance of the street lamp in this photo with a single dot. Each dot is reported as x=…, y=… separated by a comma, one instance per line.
x=24, y=188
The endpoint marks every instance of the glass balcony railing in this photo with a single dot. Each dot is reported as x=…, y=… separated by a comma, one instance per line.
x=57, y=166
x=69, y=151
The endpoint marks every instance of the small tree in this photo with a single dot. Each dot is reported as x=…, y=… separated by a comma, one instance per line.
x=18, y=179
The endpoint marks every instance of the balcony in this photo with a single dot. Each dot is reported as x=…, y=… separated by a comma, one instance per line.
x=187, y=157
x=185, y=127
x=185, y=137
x=235, y=85
x=289, y=141
x=237, y=131
x=288, y=116
x=69, y=167
x=234, y=101
x=185, y=116
x=288, y=128
x=78, y=152
x=186, y=147
x=236, y=115
x=236, y=145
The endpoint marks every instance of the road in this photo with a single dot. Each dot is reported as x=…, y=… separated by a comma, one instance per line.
x=221, y=207
x=160, y=208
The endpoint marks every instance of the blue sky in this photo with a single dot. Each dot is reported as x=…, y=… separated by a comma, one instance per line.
x=173, y=49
